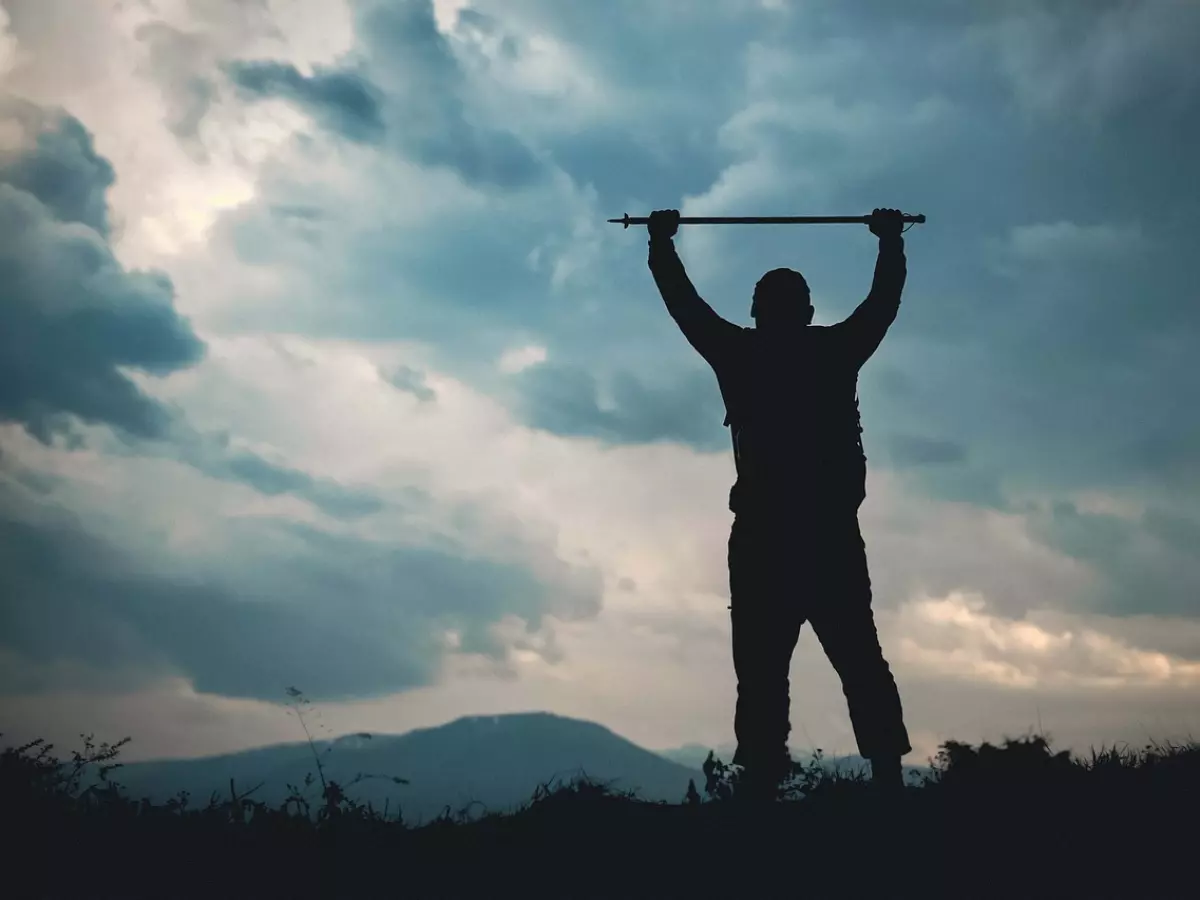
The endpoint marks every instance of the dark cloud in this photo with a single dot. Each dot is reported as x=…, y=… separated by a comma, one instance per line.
x=343, y=616
x=405, y=378
x=664, y=147
x=566, y=399
x=214, y=455
x=271, y=479
x=438, y=120
x=1167, y=451
x=72, y=598
x=462, y=286
x=415, y=97
x=71, y=315
x=58, y=167
x=939, y=468
x=905, y=450
x=342, y=101
x=1178, y=532
x=298, y=211
x=1149, y=562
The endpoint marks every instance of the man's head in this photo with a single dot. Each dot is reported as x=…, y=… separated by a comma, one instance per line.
x=781, y=300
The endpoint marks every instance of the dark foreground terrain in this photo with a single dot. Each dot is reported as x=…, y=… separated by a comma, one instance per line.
x=1007, y=821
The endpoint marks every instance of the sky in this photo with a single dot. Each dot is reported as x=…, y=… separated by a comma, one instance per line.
x=320, y=366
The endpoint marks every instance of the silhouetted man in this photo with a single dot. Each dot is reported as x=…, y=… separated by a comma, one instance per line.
x=796, y=553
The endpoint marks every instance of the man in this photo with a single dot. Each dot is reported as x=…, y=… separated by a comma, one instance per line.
x=796, y=553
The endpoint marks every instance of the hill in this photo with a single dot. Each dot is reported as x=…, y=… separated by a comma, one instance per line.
x=496, y=761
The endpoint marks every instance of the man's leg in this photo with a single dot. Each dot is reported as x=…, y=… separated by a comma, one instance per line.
x=842, y=619
x=766, y=624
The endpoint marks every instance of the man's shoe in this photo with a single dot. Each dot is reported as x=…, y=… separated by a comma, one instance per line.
x=757, y=787
x=887, y=774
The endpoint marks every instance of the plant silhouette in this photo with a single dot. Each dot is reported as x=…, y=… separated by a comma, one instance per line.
x=335, y=802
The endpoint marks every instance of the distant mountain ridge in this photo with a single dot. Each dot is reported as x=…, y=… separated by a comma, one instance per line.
x=498, y=761
x=693, y=755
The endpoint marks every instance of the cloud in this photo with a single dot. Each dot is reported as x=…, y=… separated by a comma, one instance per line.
x=55, y=163
x=342, y=101
x=406, y=378
x=956, y=637
x=914, y=450
x=518, y=359
x=180, y=62
x=75, y=322
x=271, y=480
x=939, y=466
x=416, y=85
x=1068, y=243
x=93, y=607
x=443, y=122
x=566, y=400
x=73, y=318
x=283, y=603
x=1147, y=559
x=1092, y=61
x=8, y=45
x=128, y=75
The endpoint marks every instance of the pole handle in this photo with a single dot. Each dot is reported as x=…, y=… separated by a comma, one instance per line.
x=628, y=220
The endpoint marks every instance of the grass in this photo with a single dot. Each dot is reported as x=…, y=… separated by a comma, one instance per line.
x=993, y=820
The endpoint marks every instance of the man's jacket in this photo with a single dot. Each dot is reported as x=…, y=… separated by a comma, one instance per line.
x=791, y=399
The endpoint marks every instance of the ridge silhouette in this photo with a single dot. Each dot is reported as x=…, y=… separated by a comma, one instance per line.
x=796, y=552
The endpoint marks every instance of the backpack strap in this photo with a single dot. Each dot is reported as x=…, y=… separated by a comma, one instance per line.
x=733, y=436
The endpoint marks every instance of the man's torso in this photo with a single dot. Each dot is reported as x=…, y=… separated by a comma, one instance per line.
x=793, y=415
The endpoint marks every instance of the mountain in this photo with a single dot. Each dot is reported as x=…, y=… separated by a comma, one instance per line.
x=693, y=755
x=496, y=760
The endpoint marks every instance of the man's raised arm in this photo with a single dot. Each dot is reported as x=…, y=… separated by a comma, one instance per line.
x=699, y=322
x=866, y=326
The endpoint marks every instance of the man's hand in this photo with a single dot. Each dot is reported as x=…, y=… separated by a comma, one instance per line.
x=886, y=223
x=663, y=224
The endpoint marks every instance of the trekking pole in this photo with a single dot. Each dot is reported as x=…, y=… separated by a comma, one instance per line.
x=766, y=220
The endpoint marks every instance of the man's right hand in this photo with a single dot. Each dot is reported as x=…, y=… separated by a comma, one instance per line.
x=663, y=224
x=886, y=223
